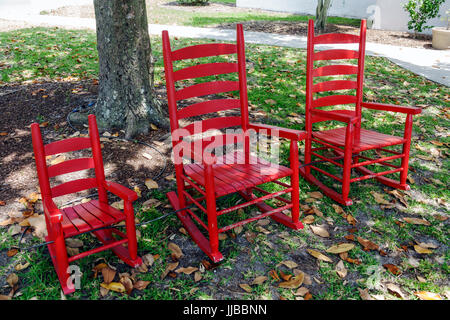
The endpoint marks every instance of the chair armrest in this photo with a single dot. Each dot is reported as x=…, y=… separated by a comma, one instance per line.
x=121, y=191
x=342, y=117
x=291, y=134
x=391, y=107
x=52, y=211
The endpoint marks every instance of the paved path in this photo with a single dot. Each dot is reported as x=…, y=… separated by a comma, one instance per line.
x=431, y=64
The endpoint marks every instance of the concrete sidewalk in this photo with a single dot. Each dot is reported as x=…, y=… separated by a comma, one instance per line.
x=431, y=64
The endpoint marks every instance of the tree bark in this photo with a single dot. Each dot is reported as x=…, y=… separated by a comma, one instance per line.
x=322, y=14
x=126, y=93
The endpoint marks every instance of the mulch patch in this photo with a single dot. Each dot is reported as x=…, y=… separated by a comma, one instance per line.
x=50, y=103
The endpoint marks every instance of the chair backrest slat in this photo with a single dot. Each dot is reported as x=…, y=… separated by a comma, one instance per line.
x=205, y=70
x=209, y=106
x=73, y=186
x=67, y=145
x=336, y=38
x=335, y=85
x=203, y=50
x=335, y=54
x=206, y=88
x=333, y=100
x=70, y=166
x=213, y=123
x=335, y=70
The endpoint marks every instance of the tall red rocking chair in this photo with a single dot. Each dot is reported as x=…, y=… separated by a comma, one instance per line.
x=213, y=176
x=347, y=143
x=91, y=216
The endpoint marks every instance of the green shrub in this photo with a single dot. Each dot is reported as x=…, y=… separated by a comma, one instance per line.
x=420, y=11
x=193, y=2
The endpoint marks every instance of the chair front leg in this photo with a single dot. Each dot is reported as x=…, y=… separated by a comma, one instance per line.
x=131, y=229
x=211, y=212
x=60, y=258
x=295, y=193
x=347, y=169
x=406, y=149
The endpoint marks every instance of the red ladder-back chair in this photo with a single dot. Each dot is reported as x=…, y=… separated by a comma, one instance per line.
x=235, y=172
x=349, y=141
x=85, y=217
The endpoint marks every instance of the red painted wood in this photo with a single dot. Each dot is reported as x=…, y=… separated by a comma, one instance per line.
x=213, y=123
x=332, y=101
x=84, y=217
x=67, y=145
x=206, y=88
x=336, y=38
x=347, y=142
x=205, y=70
x=335, y=85
x=224, y=174
x=72, y=165
x=209, y=106
x=203, y=50
x=334, y=70
x=335, y=54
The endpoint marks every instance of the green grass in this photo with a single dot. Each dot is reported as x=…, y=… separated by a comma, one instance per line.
x=278, y=74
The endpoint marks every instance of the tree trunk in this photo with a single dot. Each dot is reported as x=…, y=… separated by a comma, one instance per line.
x=126, y=98
x=322, y=14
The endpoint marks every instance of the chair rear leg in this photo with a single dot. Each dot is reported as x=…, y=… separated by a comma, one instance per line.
x=347, y=169
x=406, y=150
x=212, y=215
x=131, y=230
x=295, y=194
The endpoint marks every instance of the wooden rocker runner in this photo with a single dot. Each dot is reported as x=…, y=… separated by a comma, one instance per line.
x=350, y=141
x=85, y=217
x=213, y=176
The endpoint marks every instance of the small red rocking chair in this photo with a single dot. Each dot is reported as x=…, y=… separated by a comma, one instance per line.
x=91, y=216
x=212, y=176
x=348, y=142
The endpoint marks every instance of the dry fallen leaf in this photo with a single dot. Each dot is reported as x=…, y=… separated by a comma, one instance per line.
x=170, y=267
x=21, y=266
x=198, y=276
x=293, y=283
x=12, y=279
x=340, y=248
x=425, y=295
x=417, y=221
x=340, y=269
x=108, y=274
x=39, y=225
x=151, y=184
x=422, y=250
x=392, y=269
x=290, y=264
x=316, y=254
x=187, y=270
x=259, y=280
x=395, y=290
x=114, y=286
x=141, y=284
x=74, y=243
x=148, y=259
x=379, y=198
x=320, y=231
x=364, y=294
x=308, y=219
x=245, y=287
x=175, y=250
x=301, y=291
x=367, y=244
x=127, y=283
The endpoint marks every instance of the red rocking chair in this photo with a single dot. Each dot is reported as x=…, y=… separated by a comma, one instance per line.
x=348, y=142
x=213, y=176
x=91, y=216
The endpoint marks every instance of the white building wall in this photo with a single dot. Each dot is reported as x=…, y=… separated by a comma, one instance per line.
x=382, y=14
